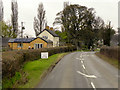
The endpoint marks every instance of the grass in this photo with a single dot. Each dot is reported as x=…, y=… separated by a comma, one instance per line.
x=30, y=75
x=112, y=61
x=8, y=83
x=35, y=69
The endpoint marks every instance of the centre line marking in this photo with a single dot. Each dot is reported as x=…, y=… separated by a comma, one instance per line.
x=83, y=66
x=78, y=58
x=81, y=61
x=93, y=85
x=89, y=76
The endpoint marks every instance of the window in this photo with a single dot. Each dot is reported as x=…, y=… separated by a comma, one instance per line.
x=19, y=45
x=45, y=37
x=37, y=46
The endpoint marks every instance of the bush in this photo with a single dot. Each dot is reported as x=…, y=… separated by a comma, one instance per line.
x=112, y=52
x=13, y=60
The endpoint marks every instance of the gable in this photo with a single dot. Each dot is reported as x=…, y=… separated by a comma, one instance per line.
x=38, y=40
x=50, y=32
x=46, y=34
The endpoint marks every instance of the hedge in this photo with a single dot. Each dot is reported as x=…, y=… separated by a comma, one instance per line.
x=111, y=52
x=12, y=61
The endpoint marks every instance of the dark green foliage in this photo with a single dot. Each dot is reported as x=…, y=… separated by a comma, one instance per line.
x=63, y=35
x=106, y=34
x=13, y=60
x=80, y=25
x=7, y=30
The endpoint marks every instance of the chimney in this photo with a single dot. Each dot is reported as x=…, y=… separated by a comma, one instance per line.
x=47, y=27
x=51, y=28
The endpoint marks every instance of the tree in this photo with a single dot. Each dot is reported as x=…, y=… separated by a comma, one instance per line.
x=107, y=33
x=66, y=4
x=63, y=36
x=7, y=30
x=58, y=19
x=119, y=36
x=1, y=11
x=36, y=26
x=1, y=16
x=14, y=17
x=39, y=21
x=79, y=23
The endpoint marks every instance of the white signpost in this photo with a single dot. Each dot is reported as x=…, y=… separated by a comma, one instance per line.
x=44, y=55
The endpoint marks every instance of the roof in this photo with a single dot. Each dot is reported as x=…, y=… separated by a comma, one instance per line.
x=46, y=40
x=51, y=32
x=26, y=40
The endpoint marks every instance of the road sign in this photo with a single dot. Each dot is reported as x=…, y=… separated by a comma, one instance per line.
x=44, y=55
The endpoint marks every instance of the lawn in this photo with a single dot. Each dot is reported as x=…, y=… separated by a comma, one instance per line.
x=35, y=69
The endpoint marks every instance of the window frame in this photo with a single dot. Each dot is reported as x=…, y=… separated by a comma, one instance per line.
x=19, y=45
x=38, y=45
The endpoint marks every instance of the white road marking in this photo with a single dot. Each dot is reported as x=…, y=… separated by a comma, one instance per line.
x=89, y=76
x=83, y=66
x=81, y=61
x=93, y=85
x=78, y=58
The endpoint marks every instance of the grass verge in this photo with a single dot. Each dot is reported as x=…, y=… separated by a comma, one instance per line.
x=112, y=61
x=8, y=83
x=32, y=72
x=36, y=69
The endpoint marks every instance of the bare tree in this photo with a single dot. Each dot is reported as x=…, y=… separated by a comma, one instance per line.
x=66, y=4
x=36, y=26
x=39, y=21
x=1, y=10
x=58, y=20
x=14, y=17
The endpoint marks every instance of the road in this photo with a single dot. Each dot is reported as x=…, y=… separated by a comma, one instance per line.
x=81, y=70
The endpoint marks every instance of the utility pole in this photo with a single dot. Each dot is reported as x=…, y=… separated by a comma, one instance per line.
x=22, y=27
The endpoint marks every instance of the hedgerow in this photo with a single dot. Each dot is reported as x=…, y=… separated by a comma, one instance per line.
x=12, y=61
x=111, y=52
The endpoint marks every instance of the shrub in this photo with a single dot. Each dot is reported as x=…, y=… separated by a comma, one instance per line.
x=13, y=60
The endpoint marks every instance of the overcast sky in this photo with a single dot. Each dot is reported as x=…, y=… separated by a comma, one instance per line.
x=27, y=10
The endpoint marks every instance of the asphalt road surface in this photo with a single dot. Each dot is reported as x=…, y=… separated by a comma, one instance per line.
x=81, y=70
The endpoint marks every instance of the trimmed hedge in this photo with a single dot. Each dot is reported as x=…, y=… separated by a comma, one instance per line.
x=13, y=60
x=111, y=52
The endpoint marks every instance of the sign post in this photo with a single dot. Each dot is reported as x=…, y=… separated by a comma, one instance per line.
x=44, y=55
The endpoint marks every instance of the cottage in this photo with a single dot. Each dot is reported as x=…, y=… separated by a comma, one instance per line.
x=49, y=34
x=29, y=43
x=47, y=38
